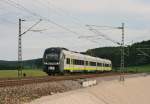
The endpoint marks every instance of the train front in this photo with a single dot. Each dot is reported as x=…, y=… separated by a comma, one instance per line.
x=51, y=60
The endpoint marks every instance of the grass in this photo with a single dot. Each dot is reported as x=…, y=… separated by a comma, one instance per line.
x=28, y=72
x=38, y=72
x=139, y=69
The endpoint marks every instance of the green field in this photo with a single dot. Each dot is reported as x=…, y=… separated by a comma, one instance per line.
x=37, y=72
x=139, y=69
x=28, y=72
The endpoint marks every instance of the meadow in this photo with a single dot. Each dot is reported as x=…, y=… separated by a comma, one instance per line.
x=40, y=73
x=139, y=69
x=28, y=72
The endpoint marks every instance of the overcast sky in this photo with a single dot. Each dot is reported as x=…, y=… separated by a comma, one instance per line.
x=71, y=16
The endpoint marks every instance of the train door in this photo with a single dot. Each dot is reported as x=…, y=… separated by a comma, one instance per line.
x=72, y=65
x=62, y=63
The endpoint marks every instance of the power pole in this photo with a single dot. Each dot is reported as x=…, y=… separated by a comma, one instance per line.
x=20, y=50
x=122, y=55
x=20, y=45
x=121, y=44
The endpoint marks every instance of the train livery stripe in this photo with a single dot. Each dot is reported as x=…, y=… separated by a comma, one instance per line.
x=88, y=68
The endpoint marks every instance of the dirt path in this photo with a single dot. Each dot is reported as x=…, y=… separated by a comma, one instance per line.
x=133, y=91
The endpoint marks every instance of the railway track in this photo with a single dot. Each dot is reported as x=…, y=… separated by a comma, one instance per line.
x=24, y=81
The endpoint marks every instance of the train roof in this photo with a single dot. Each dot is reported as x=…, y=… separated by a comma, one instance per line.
x=61, y=48
x=83, y=56
x=77, y=55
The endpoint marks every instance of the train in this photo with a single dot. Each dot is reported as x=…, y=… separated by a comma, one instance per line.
x=57, y=60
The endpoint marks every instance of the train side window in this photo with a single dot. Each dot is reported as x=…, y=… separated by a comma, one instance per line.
x=92, y=63
x=74, y=62
x=107, y=65
x=82, y=62
x=68, y=60
x=99, y=64
x=87, y=63
x=78, y=62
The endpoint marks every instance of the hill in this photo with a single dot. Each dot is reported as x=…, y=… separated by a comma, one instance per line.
x=27, y=64
x=133, y=56
x=136, y=54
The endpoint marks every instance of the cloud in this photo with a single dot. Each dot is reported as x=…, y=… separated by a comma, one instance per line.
x=72, y=14
x=102, y=5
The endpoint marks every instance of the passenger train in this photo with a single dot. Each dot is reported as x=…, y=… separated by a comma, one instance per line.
x=61, y=60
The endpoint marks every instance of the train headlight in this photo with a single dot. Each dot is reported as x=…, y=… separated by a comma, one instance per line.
x=51, y=68
x=45, y=63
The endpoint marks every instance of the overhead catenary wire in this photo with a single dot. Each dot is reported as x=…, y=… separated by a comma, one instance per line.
x=65, y=12
x=100, y=34
x=60, y=11
x=31, y=27
x=19, y=6
x=34, y=14
x=142, y=52
x=100, y=27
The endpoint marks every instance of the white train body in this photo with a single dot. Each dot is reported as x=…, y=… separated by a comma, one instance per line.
x=69, y=61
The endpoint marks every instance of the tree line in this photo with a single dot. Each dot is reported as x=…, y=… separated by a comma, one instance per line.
x=135, y=54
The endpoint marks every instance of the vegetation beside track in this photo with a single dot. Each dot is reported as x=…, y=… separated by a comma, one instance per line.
x=135, y=69
x=39, y=72
x=28, y=72
x=139, y=69
x=132, y=57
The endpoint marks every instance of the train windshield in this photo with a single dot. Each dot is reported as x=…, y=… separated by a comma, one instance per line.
x=52, y=55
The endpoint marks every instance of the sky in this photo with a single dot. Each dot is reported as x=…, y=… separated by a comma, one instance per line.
x=64, y=24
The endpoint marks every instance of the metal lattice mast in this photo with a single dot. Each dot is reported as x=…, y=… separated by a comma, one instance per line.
x=121, y=44
x=122, y=55
x=20, y=45
x=19, y=50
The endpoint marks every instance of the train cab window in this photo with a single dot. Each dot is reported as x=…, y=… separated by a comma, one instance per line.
x=68, y=61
